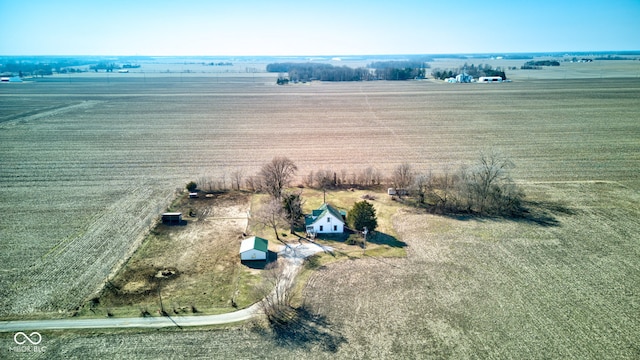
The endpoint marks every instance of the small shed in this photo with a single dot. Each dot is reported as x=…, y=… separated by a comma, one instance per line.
x=172, y=218
x=254, y=248
x=193, y=195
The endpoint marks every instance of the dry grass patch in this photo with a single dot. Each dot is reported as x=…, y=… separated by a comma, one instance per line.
x=384, y=242
x=195, y=265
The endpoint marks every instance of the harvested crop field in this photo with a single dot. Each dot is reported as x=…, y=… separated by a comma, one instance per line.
x=87, y=166
x=495, y=288
x=468, y=289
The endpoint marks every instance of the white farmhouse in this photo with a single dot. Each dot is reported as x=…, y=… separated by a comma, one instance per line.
x=325, y=220
x=254, y=248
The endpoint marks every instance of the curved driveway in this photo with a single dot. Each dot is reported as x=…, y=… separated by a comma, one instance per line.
x=294, y=256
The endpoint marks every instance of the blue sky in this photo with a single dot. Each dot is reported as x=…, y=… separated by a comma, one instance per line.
x=329, y=27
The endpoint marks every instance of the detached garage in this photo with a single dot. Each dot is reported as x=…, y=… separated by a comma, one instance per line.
x=254, y=248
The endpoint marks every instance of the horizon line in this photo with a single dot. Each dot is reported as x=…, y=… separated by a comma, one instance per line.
x=621, y=52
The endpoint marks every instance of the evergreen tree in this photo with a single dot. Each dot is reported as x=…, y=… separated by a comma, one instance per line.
x=362, y=215
x=192, y=186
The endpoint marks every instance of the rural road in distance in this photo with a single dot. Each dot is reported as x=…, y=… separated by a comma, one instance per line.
x=294, y=255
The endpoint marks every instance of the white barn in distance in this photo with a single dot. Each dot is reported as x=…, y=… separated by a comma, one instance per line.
x=490, y=79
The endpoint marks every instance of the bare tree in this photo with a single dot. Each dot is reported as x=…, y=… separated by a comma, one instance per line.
x=365, y=177
x=464, y=189
x=249, y=184
x=343, y=176
x=308, y=180
x=236, y=177
x=254, y=183
x=353, y=178
x=492, y=168
x=223, y=180
x=446, y=183
x=376, y=177
x=323, y=179
x=421, y=185
x=277, y=174
x=270, y=215
x=276, y=291
x=402, y=177
x=205, y=182
x=487, y=186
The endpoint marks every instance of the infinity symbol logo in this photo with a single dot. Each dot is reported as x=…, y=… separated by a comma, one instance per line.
x=27, y=338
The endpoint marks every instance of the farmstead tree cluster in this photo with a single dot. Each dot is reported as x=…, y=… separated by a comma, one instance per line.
x=483, y=188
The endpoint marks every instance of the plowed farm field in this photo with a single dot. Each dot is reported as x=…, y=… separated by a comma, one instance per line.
x=87, y=165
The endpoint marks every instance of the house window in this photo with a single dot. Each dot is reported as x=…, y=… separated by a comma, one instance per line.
x=320, y=227
x=335, y=227
x=328, y=219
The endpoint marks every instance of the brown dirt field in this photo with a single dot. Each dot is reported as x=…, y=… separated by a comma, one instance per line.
x=469, y=288
x=80, y=187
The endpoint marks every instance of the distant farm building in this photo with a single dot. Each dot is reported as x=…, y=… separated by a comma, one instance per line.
x=193, y=195
x=460, y=78
x=490, y=79
x=10, y=79
x=464, y=78
x=254, y=248
x=172, y=218
x=325, y=220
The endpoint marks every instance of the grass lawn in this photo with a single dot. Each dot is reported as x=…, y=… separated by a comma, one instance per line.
x=194, y=265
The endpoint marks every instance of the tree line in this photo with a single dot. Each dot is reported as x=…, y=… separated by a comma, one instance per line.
x=484, y=187
x=384, y=70
x=60, y=66
x=399, y=70
x=473, y=70
x=319, y=71
x=538, y=64
x=40, y=68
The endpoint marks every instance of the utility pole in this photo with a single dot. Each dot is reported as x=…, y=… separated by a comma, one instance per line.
x=364, y=232
x=162, y=312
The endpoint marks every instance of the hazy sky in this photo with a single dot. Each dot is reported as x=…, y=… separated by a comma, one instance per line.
x=328, y=27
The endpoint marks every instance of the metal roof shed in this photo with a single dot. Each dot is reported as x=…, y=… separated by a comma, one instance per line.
x=254, y=248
